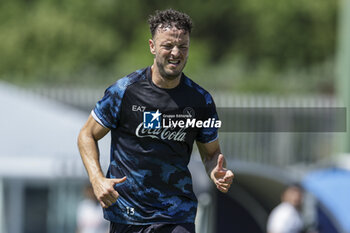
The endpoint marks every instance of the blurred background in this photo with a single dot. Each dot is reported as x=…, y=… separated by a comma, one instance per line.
x=58, y=56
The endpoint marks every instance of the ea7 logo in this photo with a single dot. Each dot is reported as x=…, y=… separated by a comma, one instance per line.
x=136, y=108
x=151, y=120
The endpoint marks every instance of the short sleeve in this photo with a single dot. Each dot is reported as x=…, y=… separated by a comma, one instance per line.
x=209, y=134
x=107, y=110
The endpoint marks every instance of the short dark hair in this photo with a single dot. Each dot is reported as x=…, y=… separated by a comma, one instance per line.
x=170, y=18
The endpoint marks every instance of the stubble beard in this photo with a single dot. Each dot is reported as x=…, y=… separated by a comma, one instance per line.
x=166, y=75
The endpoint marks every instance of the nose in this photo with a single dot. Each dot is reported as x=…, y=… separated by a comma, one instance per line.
x=175, y=51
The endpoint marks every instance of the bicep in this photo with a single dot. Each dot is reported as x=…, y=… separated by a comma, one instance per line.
x=94, y=129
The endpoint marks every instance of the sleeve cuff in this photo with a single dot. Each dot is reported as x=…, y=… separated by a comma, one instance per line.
x=93, y=114
x=216, y=138
x=209, y=141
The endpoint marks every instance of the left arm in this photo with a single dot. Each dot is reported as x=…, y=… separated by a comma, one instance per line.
x=214, y=163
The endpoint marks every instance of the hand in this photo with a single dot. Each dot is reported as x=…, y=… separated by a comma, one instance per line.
x=104, y=190
x=221, y=176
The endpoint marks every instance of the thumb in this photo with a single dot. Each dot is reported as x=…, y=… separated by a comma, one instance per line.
x=220, y=162
x=118, y=181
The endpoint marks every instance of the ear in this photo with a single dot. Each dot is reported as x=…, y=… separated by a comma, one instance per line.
x=152, y=46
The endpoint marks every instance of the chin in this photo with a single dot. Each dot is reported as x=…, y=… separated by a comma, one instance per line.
x=171, y=76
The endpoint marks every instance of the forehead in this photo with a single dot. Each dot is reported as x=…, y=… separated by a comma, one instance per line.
x=171, y=34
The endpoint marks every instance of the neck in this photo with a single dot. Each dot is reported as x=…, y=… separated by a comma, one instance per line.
x=162, y=82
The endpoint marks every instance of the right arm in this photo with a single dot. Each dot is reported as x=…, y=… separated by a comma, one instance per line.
x=89, y=152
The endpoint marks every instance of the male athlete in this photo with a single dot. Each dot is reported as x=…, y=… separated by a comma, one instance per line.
x=154, y=116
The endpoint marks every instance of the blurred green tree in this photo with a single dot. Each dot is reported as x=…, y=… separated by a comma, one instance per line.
x=236, y=45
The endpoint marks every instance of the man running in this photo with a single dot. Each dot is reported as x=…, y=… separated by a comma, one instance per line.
x=154, y=115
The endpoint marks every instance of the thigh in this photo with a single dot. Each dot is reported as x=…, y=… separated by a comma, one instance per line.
x=153, y=228
x=125, y=228
x=171, y=228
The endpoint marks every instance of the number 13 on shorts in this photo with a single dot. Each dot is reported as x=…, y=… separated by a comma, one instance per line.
x=130, y=210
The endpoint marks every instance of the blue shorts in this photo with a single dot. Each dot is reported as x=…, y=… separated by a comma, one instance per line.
x=152, y=228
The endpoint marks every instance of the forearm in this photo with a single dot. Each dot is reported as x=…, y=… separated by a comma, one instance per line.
x=209, y=156
x=215, y=165
x=89, y=153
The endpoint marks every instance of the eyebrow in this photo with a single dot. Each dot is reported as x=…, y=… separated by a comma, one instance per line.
x=171, y=42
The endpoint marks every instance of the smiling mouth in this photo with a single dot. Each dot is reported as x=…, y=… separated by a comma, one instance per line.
x=174, y=62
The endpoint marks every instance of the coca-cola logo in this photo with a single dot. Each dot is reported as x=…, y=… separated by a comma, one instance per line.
x=167, y=133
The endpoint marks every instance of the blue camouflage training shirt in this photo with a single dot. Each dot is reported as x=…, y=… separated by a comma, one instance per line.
x=152, y=149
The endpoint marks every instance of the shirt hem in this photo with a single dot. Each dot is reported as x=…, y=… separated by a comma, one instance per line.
x=149, y=223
